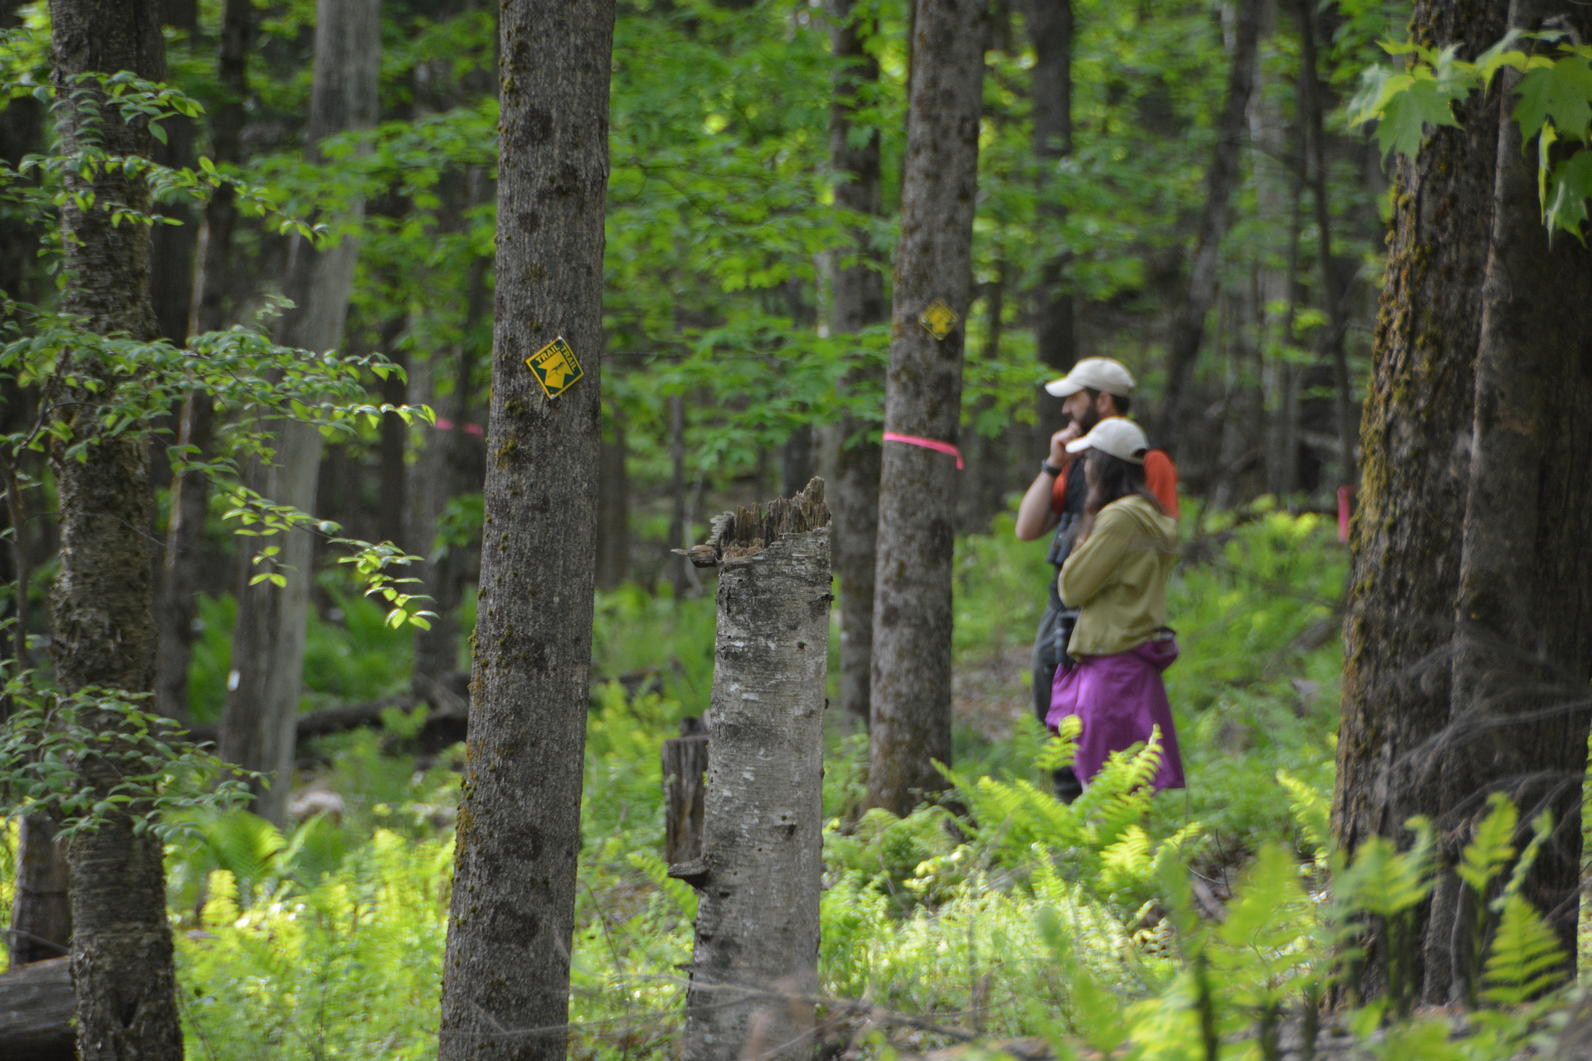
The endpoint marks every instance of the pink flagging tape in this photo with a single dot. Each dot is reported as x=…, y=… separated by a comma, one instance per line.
x=444, y=424
x=927, y=443
x=1345, y=495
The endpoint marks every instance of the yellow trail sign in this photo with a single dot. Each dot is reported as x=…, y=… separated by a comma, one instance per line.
x=555, y=367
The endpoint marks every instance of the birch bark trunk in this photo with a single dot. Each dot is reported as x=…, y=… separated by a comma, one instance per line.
x=754, y=970
x=268, y=644
x=190, y=491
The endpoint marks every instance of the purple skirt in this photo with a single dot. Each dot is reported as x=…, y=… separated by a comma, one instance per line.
x=1119, y=698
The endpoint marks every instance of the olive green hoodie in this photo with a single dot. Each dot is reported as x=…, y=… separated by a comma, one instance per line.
x=1117, y=577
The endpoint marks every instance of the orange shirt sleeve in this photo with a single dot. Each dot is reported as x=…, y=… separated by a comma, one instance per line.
x=1058, y=490
x=1160, y=475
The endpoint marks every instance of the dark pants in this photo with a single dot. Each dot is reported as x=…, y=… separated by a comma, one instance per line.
x=1050, y=652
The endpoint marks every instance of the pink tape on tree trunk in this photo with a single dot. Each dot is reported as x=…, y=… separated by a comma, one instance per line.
x=927, y=443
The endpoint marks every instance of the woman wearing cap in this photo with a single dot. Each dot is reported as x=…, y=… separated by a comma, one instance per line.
x=1116, y=576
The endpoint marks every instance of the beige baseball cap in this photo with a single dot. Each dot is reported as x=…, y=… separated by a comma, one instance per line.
x=1094, y=373
x=1116, y=435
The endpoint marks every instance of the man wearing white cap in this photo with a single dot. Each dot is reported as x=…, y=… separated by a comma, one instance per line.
x=1096, y=389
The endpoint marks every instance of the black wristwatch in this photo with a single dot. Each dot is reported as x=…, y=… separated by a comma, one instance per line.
x=1049, y=468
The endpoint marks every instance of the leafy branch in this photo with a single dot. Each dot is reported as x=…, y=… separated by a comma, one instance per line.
x=1553, y=106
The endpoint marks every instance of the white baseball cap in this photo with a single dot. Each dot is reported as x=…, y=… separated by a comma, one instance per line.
x=1116, y=435
x=1097, y=374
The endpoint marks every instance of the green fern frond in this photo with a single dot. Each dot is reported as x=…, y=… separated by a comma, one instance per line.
x=221, y=903
x=1541, y=828
x=1311, y=813
x=244, y=845
x=1384, y=881
x=680, y=895
x=1061, y=749
x=314, y=851
x=1526, y=957
x=1493, y=845
x=1127, y=860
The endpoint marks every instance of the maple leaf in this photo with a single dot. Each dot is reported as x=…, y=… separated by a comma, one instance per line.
x=1561, y=93
x=1408, y=108
x=1572, y=187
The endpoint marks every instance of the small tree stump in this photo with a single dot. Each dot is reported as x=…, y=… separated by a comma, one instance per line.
x=685, y=768
x=36, y=1006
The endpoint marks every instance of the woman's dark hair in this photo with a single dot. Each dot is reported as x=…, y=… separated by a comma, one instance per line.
x=1111, y=479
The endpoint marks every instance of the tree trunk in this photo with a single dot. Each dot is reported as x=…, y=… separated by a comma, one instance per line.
x=450, y=465
x=505, y=991
x=41, y=911
x=754, y=969
x=171, y=285
x=989, y=457
x=1522, y=653
x=678, y=519
x=911, y=725
x=41, y=919
x=1334, y=334
x=36, y=1013
x=1417, y=424
x=102, y=601
x=268, y=646
x=685, y=776
x=1050, y=26
x=858, y=302
x=1188, y=327
x=393, y=444
x=613, y=502
x=190, y=491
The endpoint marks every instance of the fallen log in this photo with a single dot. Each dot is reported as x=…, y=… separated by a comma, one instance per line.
x=36, y=1006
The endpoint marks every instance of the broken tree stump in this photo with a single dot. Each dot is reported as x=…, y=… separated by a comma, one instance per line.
x=685, y=768
x=754, y=965
x=36, y=1006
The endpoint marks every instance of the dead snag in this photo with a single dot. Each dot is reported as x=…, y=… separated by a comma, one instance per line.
x=685, y=769
x=755, y=965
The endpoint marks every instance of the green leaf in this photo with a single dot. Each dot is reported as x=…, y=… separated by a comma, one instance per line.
x=1561, y=93
x=1569, y=191
x=1502, y=54
x=1414, y=103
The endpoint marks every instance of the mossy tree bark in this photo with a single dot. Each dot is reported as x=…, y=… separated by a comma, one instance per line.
x=505, y=987
x=858, y=303
x=268, y=643
x=1469, y=612
x=911, y=691
x=754, y=970
x=1522, y=652
x=102, y=602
